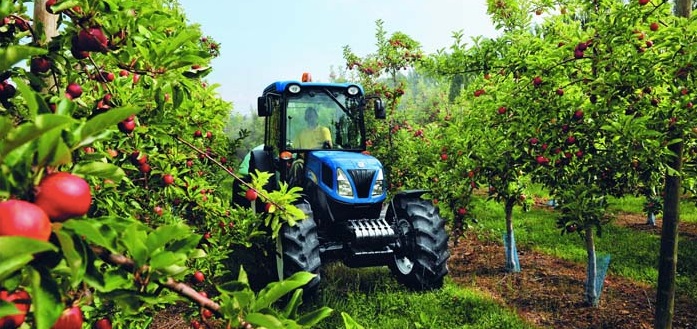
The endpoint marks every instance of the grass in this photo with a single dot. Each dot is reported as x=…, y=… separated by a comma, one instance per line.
x=375, y=300
x=634, y=254
x=688, y=208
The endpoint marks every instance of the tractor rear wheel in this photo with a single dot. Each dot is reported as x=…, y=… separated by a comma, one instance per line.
x=297, y=250
x=420, y=262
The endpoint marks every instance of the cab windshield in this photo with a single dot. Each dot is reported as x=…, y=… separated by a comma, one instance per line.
x=323, y=119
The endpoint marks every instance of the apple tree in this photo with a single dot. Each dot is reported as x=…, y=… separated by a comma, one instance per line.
x=597, y=99
x=115, y=186
x=411, y=141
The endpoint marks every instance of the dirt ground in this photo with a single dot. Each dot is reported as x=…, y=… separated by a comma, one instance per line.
x=548, y=291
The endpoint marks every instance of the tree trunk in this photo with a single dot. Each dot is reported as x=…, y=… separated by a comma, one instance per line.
x=591, y=293
x=45, y=28
x=668, y=257
x=512, y=262
x=47, y=21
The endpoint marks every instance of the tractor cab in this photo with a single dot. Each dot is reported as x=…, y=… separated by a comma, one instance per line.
x=321, y=127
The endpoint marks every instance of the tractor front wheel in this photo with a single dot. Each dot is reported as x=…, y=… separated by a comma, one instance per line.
x=420, y=262
x=297, y=250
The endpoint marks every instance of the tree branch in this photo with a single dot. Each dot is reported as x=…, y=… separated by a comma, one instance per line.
x=171, y=284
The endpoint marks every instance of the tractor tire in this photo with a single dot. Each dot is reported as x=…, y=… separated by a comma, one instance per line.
x=420, y=263
x=297, y=250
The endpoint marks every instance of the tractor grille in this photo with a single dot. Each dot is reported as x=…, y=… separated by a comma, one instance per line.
x=362, y=178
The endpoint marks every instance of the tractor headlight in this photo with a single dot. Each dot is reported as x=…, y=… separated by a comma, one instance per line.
x=379, y=186
x=343, y=185
x=353, y=90
x=294, y=89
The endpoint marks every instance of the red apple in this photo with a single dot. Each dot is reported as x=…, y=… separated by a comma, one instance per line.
x=127, y=126
x=537, y=81
x=103, y=323
x=168, y=179
x=199, y=277
x=63, y=195
x=145, y=168
x=71, y=318
x=578, y=54
x=251, y=194
x=22, y=302
x=541, y=160
x=49, y=3
x=92, y=39
x=73, y=90
x=40, y=64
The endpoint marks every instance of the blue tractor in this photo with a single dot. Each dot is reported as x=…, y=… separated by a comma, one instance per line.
x=349, y=217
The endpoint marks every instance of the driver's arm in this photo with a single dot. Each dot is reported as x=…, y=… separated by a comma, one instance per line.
x=326, y=136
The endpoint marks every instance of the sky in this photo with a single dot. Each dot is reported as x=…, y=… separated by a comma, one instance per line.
x=271, y=40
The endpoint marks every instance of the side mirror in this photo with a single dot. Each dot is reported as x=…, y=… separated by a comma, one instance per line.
x=380, y=112
x=262, y=107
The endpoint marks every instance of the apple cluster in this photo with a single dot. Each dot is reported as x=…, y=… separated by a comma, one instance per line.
x=58, y=197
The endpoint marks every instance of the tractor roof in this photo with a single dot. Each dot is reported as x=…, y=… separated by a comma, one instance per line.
x=280, y=86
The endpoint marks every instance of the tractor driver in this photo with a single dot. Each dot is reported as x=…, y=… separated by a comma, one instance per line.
x=313, y=136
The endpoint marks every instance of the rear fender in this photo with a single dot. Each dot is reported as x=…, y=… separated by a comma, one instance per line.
x=399, y=202
x=263, y=161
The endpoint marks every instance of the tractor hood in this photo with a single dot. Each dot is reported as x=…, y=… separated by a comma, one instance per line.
x=348, y=177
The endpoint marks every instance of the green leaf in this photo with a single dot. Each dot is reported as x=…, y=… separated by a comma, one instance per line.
x=165, y=234
x=16, y=252
x=310, y=319
x=275, y=290
x=75, y=255
x=134, y=240
x=11, y=55
x=100, y=169
x=177, y=96
x=8, y=309
x=46, y=299
x=52, y=150
x=29, y=131
x=5, y=126
x=174, y=269
x=98, y=124
x=164, y=259
x=197, y=73
x=264, y=320
x=31, y=98
x=63, y=5
x=184, y=37
x=349, y=322
x=6, y=8
x=93, y=232
x=291, y=308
